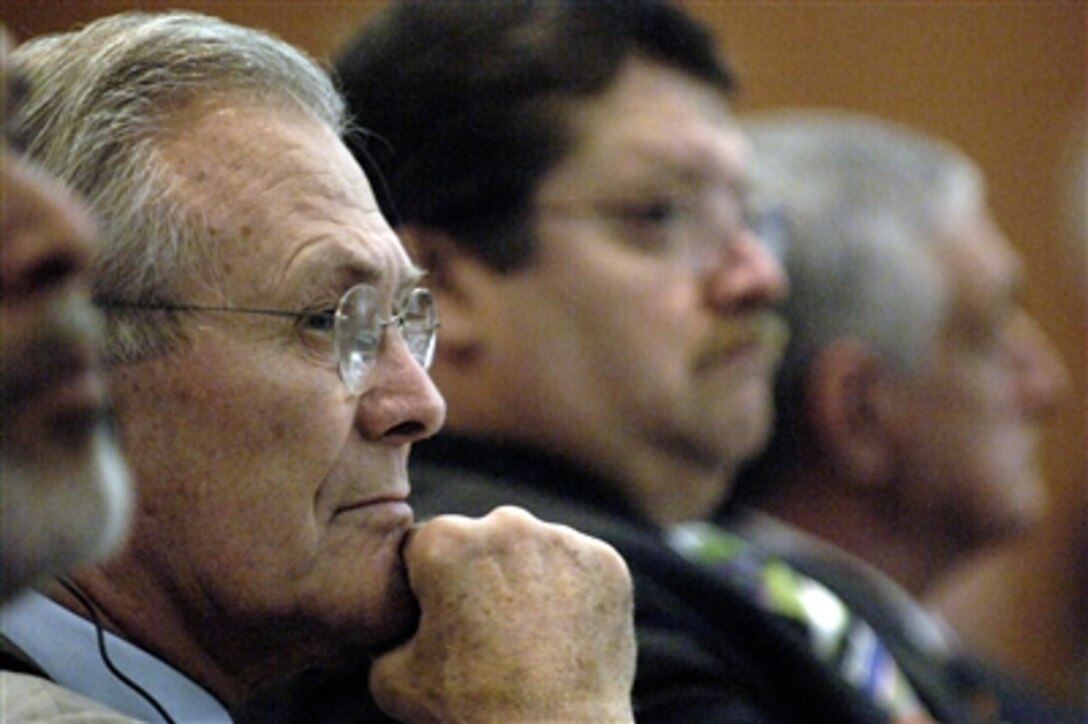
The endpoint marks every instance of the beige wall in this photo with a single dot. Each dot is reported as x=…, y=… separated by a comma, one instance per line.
x=1003, y=80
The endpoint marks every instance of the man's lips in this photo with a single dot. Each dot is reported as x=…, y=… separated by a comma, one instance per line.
x=394, y=502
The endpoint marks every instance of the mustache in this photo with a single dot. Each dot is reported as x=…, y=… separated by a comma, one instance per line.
x=764, y=328
x=68, y=336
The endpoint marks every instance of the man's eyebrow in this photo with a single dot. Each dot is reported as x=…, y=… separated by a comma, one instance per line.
x=692, y=172
x=342, y=272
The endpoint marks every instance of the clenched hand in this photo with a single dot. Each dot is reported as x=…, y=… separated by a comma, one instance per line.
x=519, y=621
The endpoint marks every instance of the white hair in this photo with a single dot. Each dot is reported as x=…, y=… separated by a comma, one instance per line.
x=101, y=100
x=866, y=204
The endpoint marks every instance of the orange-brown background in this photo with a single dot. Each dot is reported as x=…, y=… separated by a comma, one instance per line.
x=1006, y=81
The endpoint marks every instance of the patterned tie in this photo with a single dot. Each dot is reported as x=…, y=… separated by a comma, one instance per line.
x=843, y=641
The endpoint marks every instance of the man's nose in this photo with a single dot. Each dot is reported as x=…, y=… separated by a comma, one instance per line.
x=1043, y=381
x=747, y=275
x=401, y=403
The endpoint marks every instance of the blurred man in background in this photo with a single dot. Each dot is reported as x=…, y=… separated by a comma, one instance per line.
x=914, y=386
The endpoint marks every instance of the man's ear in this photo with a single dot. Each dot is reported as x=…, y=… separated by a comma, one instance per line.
x=460, y=284
x=846, y=409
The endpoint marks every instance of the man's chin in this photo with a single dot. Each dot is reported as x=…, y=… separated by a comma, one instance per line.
x=748, y=436
x=67, y=512
x=401, y=616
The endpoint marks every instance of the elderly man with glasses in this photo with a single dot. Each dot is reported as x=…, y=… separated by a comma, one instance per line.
x=268, y=343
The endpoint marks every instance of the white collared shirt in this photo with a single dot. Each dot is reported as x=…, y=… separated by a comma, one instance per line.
x=65, y=646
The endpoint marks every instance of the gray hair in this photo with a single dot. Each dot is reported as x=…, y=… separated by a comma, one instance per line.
x=866, y=205
x=101, y=101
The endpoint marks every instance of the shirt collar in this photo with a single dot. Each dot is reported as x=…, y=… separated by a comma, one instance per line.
x=65, y=646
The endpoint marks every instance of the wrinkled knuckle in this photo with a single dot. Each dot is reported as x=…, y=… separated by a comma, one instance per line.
x=614, y=564
x=434, y=540
x=513, y=517
x=611, y=571
x=509, y=527
x=565, y=537
x=591, y=547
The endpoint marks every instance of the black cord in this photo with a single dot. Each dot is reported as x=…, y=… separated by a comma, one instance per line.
x=92, y=611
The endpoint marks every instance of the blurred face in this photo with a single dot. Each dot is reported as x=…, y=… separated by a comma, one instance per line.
x=64, y=490
x=639, y=340
x=272, y=499
x=971, y=424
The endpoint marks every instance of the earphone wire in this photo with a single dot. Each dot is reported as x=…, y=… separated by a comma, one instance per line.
x=100, y=634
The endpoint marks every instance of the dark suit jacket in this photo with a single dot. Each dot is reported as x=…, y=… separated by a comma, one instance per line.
x=706, y=653
x=954, y=684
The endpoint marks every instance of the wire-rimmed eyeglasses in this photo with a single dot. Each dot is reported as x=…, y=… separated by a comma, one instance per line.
x=356, y=324
x=690, y=228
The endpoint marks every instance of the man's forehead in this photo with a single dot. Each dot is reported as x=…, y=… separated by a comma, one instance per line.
x=285, y=196
x=985, y=269
x=688, y=129
x=718, y=156
x=236, y=139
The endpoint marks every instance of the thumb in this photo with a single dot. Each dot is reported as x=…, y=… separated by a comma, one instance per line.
x=395, y=687
x=394, y=683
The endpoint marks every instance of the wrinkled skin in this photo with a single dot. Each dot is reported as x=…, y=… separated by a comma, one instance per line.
x=493, y=594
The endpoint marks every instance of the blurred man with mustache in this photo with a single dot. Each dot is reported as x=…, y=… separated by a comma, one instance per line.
x=64, y=490
x=913, y=392
x=574, y=180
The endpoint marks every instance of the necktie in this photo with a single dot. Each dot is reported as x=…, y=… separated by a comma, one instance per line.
x=838, y=638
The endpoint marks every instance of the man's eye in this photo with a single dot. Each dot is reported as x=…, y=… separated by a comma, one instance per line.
x=654, y=213
x=653, y=226
x=324, y=321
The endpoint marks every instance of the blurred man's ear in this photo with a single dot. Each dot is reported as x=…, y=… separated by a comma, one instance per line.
x=846, y=387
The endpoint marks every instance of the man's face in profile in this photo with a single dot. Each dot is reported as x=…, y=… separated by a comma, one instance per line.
x=643, y=326
x=64, y=495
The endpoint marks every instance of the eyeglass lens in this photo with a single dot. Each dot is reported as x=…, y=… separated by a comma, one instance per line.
x=359, y=330
x=703, y=237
